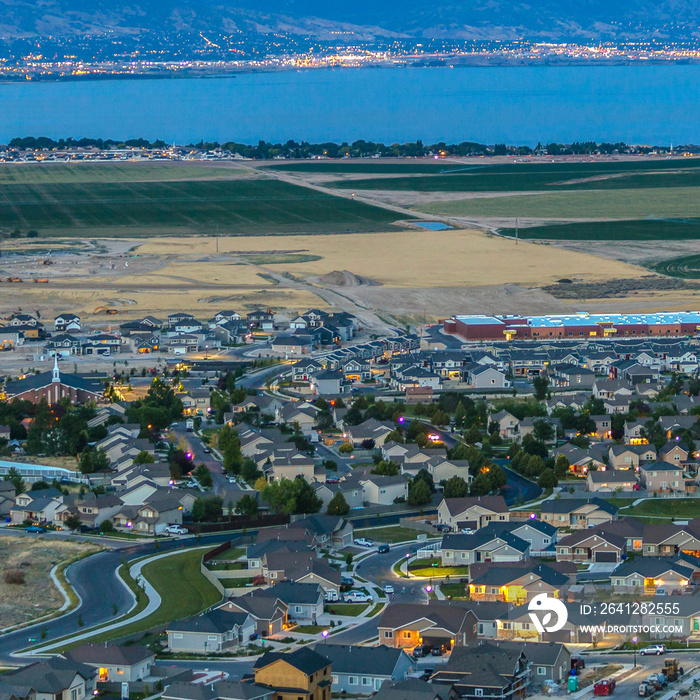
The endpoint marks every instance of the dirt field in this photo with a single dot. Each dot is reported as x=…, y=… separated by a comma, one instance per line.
x=35, y=557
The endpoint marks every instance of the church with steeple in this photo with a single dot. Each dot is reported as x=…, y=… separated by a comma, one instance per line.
x=54, y=386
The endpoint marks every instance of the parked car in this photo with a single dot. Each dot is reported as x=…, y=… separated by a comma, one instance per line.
x=422, y=650
x=661, y=591
x=347, y=581
x=388, y=589
x=207, y=450
x=467, y=531
x=442, y=527
x=654, y=649
x=363, y=542
x=606, y=687
x=34, y=528
x=331, y=596
x=357, y=597
x=437, y=651
x=176, y=530
x=577, y=663
x=383, y=549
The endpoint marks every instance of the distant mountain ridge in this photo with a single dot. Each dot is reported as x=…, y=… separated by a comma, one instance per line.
x=551, y=20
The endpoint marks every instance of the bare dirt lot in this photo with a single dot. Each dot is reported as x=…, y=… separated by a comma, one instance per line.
x=34, y=558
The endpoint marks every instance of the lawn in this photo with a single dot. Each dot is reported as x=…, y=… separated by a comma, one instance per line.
x=308, y=629
x=456, y=591
x=432, y=568
x=666, y=507
x=628, y=230
x=609, y=204
x=390, y=534
x=182, y=588
x=230, y=206
x=349, y=609
x=232, y=553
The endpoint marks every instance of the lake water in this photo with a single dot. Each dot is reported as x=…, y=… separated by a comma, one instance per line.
x=635, y=104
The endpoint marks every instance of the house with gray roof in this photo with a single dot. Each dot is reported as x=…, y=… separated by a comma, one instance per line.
x=211, y=631
x=115, y=662
x=415, y=689
x=483, y=546
x=220, y=690
x=360, y=670
x=50, y=679
x=646, y=575
x=577, y=513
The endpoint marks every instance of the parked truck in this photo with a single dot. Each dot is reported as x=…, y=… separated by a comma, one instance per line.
x=189, y=425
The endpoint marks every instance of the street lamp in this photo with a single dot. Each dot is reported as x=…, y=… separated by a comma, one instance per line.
x=634, y=641
x=324, y=634
x=408, y=570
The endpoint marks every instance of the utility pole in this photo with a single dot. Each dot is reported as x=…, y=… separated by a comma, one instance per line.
x=516, y=230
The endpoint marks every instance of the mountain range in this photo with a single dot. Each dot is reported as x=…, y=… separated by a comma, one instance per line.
x=359, y=20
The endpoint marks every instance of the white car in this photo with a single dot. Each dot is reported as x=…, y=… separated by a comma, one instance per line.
x=362, y=542
x=176, y=530
x=654, y=649
x=467, y=531
x=388, y=589
x=357, y=597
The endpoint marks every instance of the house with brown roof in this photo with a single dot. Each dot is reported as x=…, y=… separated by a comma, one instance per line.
x=405, y=625
x=611, y=480
x=577, y=513
x=472, y=512
x=591, y=546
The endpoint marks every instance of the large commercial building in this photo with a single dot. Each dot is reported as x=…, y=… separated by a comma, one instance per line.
x=575, y=326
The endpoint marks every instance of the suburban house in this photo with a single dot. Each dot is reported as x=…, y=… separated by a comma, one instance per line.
x=415, y=689
x=212, y=631
x=588, y=546
x=405, y=625
x=577, y=513
x=516, y=583
x=538, y=534
x=660, y=476
x=384, y=490
x=486, y=669
x=472, y=512
x=646, y=576
x=667, y=540
x=630, y=456
x=36, y=506
x=218, y=690
x=611, y=480
x=125, y=664
x=304, y=601
x=508, y=425
x=268, y=612
x=302, y=674
x=462, y=550
x=51, y=679
x=673, y=453
x=359, y=670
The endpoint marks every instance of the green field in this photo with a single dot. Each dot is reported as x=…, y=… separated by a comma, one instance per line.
x=609, y=204
x=47, y=173
x=686, y=267
x=236, y=207
x=542, y=177
x=627, y=230
x=680, y=508
x=369, y=166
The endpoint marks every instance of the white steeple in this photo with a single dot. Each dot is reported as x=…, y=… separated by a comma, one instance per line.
x=56, y=373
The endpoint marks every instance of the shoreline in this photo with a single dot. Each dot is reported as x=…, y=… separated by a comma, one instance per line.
x=452, y=62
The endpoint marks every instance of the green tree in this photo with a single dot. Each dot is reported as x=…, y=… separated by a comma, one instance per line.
x=456, y=487
x=384, y=468
x=203, y=476
x=543, y=430
x=247, y=505
x=473, y=435
x=338, y=505
x=497, y=476
x=73, y=522
x=419, y=493
x=540, y=384
x=481, y=485
x=345, y=448
x=144, y=457
x=460, y=415
x=547, y=479
x=561, y=466
x=15, y=478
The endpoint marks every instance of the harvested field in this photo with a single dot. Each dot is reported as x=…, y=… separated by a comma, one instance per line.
x=35, y=558
x=419, y=258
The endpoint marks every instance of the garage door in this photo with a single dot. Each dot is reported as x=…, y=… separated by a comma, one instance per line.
x=471, y=524
x=606, y=556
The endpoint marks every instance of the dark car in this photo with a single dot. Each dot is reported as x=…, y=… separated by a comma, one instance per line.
x=422, y=650
x=347, y=581
x=438, y=651
x=207, y=450
x=577, y=663
x=443, y=528
x=383, y=549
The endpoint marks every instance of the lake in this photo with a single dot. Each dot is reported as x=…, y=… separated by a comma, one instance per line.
x=651, y=104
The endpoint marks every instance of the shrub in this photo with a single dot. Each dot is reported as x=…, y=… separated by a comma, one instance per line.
x=15, y=577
